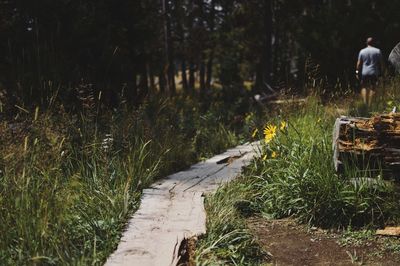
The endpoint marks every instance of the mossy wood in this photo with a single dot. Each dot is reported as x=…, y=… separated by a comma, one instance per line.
x=369, y=144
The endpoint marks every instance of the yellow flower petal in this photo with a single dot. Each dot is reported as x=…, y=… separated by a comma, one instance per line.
x=269, y=133
x=274, y=155
x=254, y=133
x=283, y=125
x=264, y=157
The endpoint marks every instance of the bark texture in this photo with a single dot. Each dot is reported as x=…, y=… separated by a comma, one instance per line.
x=368, y=143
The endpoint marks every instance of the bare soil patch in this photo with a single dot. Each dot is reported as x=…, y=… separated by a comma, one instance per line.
x=289, y=243
x=187, y=252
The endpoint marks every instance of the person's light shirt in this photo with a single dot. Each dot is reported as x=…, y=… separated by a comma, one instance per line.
x=370, y=58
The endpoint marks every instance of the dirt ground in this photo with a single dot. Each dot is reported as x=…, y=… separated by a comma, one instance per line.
x=291, y=244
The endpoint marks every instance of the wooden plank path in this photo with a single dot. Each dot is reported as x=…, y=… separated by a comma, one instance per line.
x=172, y=210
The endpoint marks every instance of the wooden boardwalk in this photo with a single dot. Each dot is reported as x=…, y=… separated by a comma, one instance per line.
x=173, y=209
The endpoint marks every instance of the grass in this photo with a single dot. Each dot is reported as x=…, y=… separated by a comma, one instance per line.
x=294, y=177
x=383, y=246
x=228, y=241
x=69, y=181
x=301, y=182
x=356, y=238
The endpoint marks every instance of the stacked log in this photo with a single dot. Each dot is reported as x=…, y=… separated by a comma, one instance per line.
x=368, y=143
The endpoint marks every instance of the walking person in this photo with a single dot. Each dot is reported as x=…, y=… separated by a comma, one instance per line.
x=369, y=65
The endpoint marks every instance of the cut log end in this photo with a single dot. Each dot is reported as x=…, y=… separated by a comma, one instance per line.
x=367, y=143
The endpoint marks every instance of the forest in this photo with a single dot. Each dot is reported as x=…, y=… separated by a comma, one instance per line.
x=103, y=104
x=132, y=49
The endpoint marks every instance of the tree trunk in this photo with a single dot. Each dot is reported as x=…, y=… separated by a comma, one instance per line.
x=184, y=77
x=192, y=79
x=278, y=58
x=202, y=79
x=168, y=48
x=180, y=18
x=143, y=83
x=151, y=79
x=209, y=71
x=161, y=82
x=263, y=68
x=268, y=41
x=211, y=56
x=171, y=79
x=131, y=89
x=259, y=82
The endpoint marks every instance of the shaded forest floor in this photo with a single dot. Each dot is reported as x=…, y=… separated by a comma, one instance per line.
x=289, y=243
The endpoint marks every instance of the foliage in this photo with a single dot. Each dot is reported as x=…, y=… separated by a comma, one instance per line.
x=69, y=182
x=295, y=177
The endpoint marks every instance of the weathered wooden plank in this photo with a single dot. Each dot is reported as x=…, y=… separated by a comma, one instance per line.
x=335, y=143
x=173, y=209
x=389, y=231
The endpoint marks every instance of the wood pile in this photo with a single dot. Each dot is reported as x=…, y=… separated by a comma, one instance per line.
x=368, y=143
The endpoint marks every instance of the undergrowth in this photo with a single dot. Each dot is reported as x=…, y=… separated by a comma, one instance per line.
x=228, y=241
x=69, y=181
x=300, y=181
x=293, y=176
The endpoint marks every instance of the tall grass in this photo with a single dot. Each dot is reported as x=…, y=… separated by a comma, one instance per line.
x=386, y=98
x=68, y=182
x=228, y=241
x=300, y=181
x=294, y=177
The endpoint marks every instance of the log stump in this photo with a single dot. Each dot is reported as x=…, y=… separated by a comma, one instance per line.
x=369, y=144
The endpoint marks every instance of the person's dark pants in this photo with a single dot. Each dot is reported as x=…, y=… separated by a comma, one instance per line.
x=368, y=84
x=369, y=81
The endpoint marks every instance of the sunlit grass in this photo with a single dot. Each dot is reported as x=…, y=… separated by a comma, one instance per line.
x=300, y=180
x=69, y=182
x=228, y=241
x=294, y=177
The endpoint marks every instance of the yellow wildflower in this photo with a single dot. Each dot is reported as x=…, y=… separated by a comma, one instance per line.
x=264, y=157
x=254, y=133
x=319, y=120
x=283, y=125
x=274, y=155
x=249, y=117
x=269, y=133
